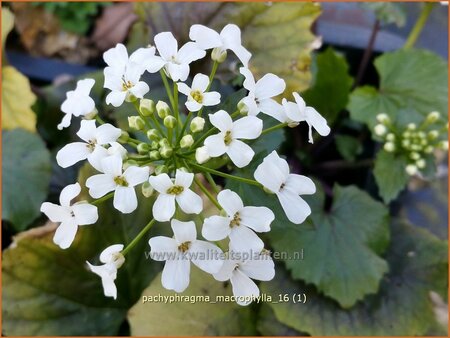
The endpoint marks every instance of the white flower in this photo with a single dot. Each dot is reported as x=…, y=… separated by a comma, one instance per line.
x=70, y=217
x=297, y=112
x=122, y=76
x=113, y=260
x=92, y=148
x=229, y=38
x=241, y=270
x=179, y=251
x=259, y=98
x=169, y=192
x=197, y=95
x=176, y=62
x=116, y=149
x=122, y=183
x=146, y=58
x=227, y=141
x=78, y=102
x=273, y=174
x=238, y=223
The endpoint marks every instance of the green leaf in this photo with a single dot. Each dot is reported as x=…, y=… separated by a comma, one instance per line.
x=26, y=176
x=390, y=174
x=410, y=79
x=194, y=316
x=348, y=146
x=418, y=264
x=341, y=246
x=17, y=99
x=332, y=81
x=44, y=284
x=268, y=325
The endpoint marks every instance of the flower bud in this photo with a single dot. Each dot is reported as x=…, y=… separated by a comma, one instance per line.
x=186, y=141
x=147, y=189
x=147, y=107
x=429, y=150
x=197, y=124
x=380, y=129
x=143, y=148
x=433, y=117
x=136, y=122
x=443, y=145
x=183, y=169
x=152, y=135
x=433, y=134
x=390, y=137
x=415, y=156
x=406, y=134
x=166, y=152
x=130, y=97
x=383, y=118
x=161, y=169
x=411, y=169
x=154, y=145
x=91, y=115
x=293, y=124
x=201, y=155
x=162, y=109
x=124, y=136
x=154, y=155
x=170, y=122
x=421, y=163
x=242, y=107
x=164, y=142
x=411, y=126
x=218, y=54
x=129, y=163
x=406, y=143
x=389, y=147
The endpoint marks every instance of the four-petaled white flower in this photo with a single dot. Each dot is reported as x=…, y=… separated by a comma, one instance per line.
x=122, y=183
x=179, y=251
x=92, y=148
x=227, y=141
x=122, y=76
x=273, y=173
x=112, y=260
x=197, y=97
x=298, y=111
x=176, y=61
x=240, y=271
x=169, y=192
x=261, y=93
x=229, y=38
x=238, y=223
x=78, y=102
x=70, y=216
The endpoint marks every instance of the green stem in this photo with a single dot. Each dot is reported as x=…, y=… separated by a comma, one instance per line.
x=183, y=129
x=211, y=77
x=278, y=126
x=102, y=199
x=207, y=193
x=138, y=237
x=212, y=182
x=176, y=107
x=157, y=125
x=219, y=173
x=99, y=119
x=420, y=23
x=166, y=85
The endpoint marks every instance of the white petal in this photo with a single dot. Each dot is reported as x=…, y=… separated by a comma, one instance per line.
x=190, y=52
x=272, y=172
x=226, y=270
x=215, y=145
x=55, y=213
x=216, y=228
x=85, y=213
x=243, y=238
x=99, y=185
x=178, y=72
x=161, y=183
x=257, y=218
x=269, y=86
x=71, y=154
x=272, y=108
x=190, y=202
x=147, y=58
x=183, y=231
x=116, y=57
x=136, y=175
x=230, y=202
x=175, y=275
x=96, y=157
x=116, y=98
x=240, y=153
x=260, y=268
x=244, y=289
x=242, y=53
x=117, y=149
x=183, y=179
x=88, y=130
x=85, y=106
x=107, y=255
x=300, y=102
x=200, y=82
x=84, y=86
x=112, y=165
x=250, y=102
x=249, y=82
x=125, y=199
x=291, y=111
x=113, y=79
x=65, y=122
x=231, y=34
x=205, y=37
x=140, y=89
x=301, y=185
x=166, y=44
x=69, y=193
x=314, y=119
x=164, y=207
x=183, y=88
x=109, y=287
x=295, y=208
x=206, y=256
x=248, y=127
x=65, y=234
x=108, y=276
x=211, y=99
x=193, y=105
x=221, y=120
x=162, y=248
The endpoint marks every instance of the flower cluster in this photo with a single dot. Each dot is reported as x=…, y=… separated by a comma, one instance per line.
x=171, y=151
x=416, y=141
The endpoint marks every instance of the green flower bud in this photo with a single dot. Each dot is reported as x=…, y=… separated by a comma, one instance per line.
x=130, y=163
x=433, y=117
x=383, y=118
x=390, y=137
x=154, y=155
x=406, y=134
x=186, y=141
x=429, y=150
x=201, y=155
x=197, y=124
x=421, y=163
x=152, y=135
x=164, y=142
x=380, y=130
x=143, y=148
x=443, y=145
x=406, y=143
x=166, y=152
x=136, y=122
x=183, y=169
x=411, y=126
x=161, y=169
x=130, y=97
x=433, y=134
x=411, y=169
x=147, y=107
x=414, y=156
x=242, y=107
x=162, y=109
x=389, y=147
x=219, y=55
x=124, y=136
x=170, y=122
x=147, y=189
x=154, y=145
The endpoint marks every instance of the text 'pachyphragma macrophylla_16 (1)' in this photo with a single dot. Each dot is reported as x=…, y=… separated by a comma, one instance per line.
x=177, y=149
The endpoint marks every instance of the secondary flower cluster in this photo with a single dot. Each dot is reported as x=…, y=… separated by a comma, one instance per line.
x=416, y=142
x=171, y=149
